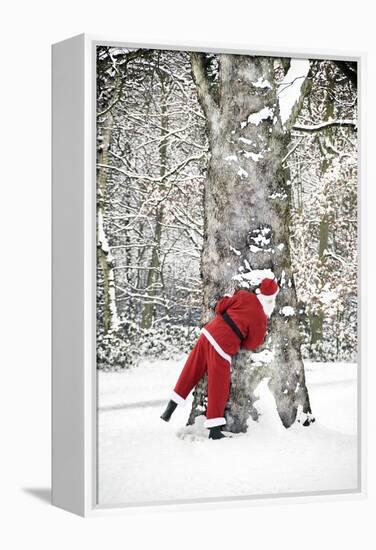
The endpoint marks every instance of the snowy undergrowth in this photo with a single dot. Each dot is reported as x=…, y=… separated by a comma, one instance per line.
x=143, y=459
x=127, y=347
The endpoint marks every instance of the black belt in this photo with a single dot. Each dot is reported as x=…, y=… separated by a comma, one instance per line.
x=231, y=323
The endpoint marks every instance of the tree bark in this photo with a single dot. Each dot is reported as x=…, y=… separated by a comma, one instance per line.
x=246, y=229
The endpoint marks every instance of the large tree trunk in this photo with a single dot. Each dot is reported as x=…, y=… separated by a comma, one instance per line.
x=247, y=228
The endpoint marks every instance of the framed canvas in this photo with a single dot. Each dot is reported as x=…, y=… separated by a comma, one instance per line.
x=208, y=275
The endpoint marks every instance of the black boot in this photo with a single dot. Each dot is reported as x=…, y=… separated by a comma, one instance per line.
x=216, y=433
x=171, y=406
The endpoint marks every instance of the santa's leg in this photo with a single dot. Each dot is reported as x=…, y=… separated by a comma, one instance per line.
x=218, y=393
x=193, y=370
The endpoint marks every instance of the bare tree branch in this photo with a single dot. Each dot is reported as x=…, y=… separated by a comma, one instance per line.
x=324, y=125
x=152, y=178
x=200, y=77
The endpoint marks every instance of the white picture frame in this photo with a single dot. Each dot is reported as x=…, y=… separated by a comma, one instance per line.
x=74, y=391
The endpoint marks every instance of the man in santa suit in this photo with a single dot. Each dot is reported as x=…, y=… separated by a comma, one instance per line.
x=241, y=322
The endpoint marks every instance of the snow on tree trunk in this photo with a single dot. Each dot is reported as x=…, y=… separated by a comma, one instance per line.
x=246, y=229
x=105, y=258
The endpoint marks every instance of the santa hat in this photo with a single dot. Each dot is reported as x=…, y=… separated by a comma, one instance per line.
x=268, y=287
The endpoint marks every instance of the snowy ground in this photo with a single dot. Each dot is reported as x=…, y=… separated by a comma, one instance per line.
x=143, y=459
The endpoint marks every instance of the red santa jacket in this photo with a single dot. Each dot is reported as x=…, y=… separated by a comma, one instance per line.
x=247, y=312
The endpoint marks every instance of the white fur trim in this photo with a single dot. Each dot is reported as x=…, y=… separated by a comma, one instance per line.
x=177, y=398
x=216, y=346
x=267, y=302
x=213, y=422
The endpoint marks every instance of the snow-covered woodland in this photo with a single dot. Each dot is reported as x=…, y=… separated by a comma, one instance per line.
x=213, y=171
x=153, y=155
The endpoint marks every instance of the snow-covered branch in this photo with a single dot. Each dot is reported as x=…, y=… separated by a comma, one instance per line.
x=203, y=88
x=324, y=125
x=154, y=179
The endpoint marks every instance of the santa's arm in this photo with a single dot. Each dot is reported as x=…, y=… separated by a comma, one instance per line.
x=223, y=304
x=255, y=337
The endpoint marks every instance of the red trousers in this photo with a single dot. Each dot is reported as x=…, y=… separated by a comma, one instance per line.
x=204, y=358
